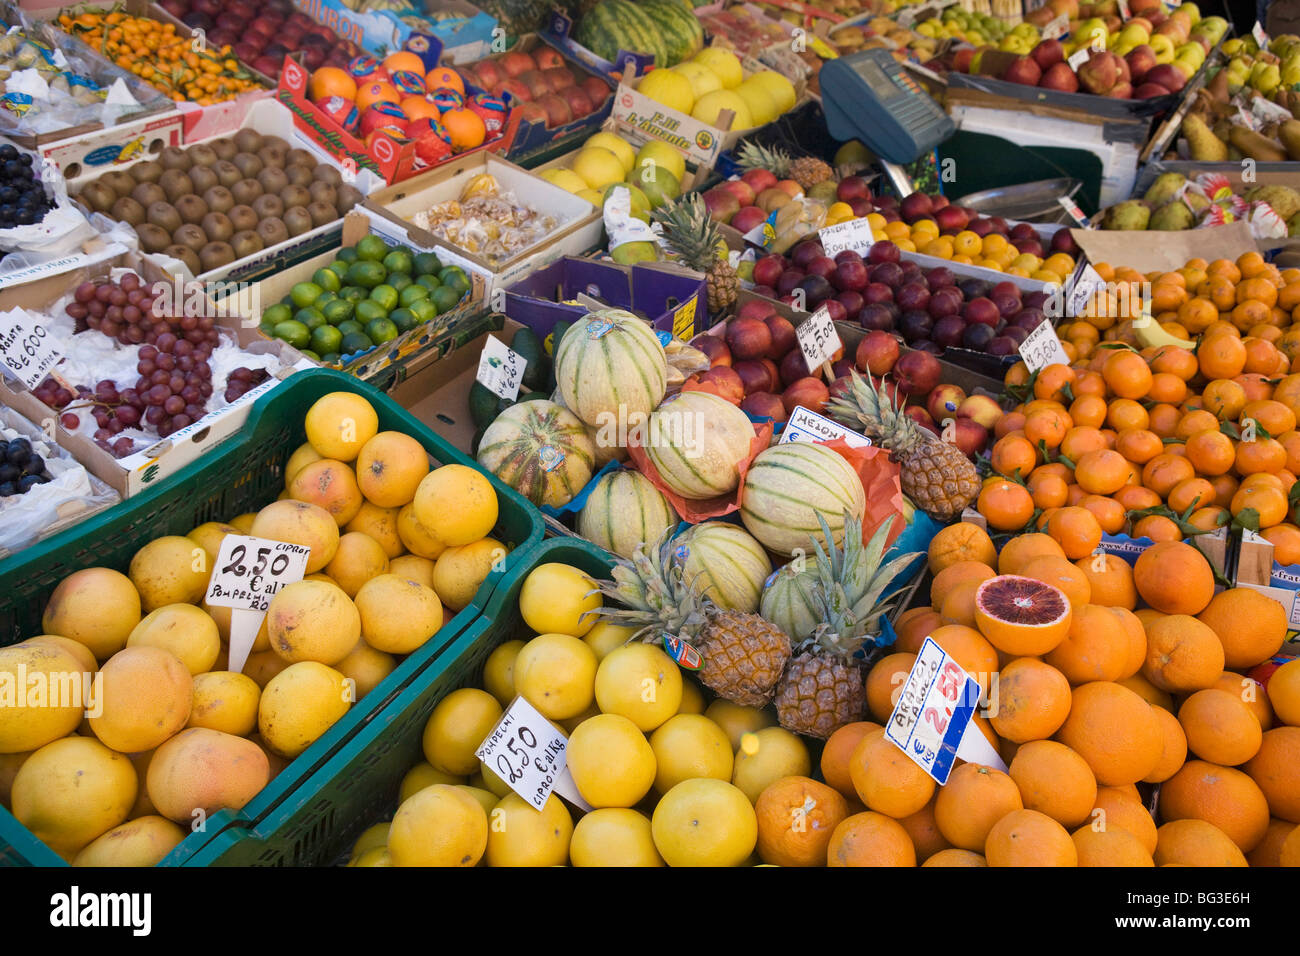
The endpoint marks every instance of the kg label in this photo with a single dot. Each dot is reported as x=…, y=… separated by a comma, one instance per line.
x=250, y=571
x=526, y=752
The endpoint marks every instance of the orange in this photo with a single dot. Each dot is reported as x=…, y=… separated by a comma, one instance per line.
x=1047, y=426
x=973, y=800
x=1289, y=854
x=1291, y=442
x=1268, y=503
x=870, y=839
x=1256, y=387
x=1009, y=423
x=962, y=541
x=1088, y=410
x=419, y=107
x=1269, y=850
x=404, y=60
x=1210, y=451
x=1262, y=356
x=885, y=779
x=368, y=94
x=1136, y=498
x=1102, y=714
x=1173, y=360
x=1221, y=796
x=968, y=648
x=1076, y=530
x=1033, y=700
x=1048, y=490
x=1196, y=314
x=1250, y=625
x=1101, y=472
x=1219, y=727
x=1052, y=380
x=1020, y=615
x=1095, y=649
x=1174, y=578
x=1166, y=387
x=1166, y=470
x=1192, y=493
x=1182, y=654
x=1225, y=398
x=1110, y=580
x=331, y=81
x=1157, y=528
x=1125, y=413
x=444, y=77
x=1115, y=847
x=1061, y=574
x=1029, y=838
x=1209, y=519
x=1195, y=843
x=1089, y=383
x=1110, y=514
x=1275, y=768
x=1225, y=486
x=1138, y=445
x=1082, y=440
x=1260, y=455
x=1163, y=419
x=1005, y=505
x=1013, y=455
x=1122, y=810
x=1258, y=290
x=956, y=857
x=1173, y=749
x=464, y=127
x=838, y=750
x=885, y=682
x=1055, y=780
x=947, y=579
x=1285, y=539
x=924, y=833
x=1284, y=692
x=796, y=817
x=1196, y=421
x=1250, y=692
x=913, y=631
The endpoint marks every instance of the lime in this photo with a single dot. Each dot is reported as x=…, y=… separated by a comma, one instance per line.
x=340, y=310
x=311, y=317
x=327, y=279
x=426, y=264
x=324, y=299
x=353, y=293
x=348, y=255
x=293, y=332
x=371, y=249
x=366, y=274
x=265, y=327
x=350, y=327
x=404, y=319
x=385, y=295
x=277, y=313
x=368, y=310
x=326, y=339
x=445, y=298
x=399, y=280
x=355, y=342
x=311, y=355
x=331, y=359
x=423, y=310
x=398, y=260
x=339, y=267
x=412, y=293
x=304, y=293
x=455, y=277
x=429, y=282
x=381, y=331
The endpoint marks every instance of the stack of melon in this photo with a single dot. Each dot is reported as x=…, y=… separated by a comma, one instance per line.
x=668, y=30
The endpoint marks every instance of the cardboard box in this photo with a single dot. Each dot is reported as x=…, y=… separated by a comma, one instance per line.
x=133, y=474
x=672, y=299
x=366, y=365
x=461, y=39
x=95, y=151
x=92, y=252
x=1257, y=569
x=580, y=222
x=1141, y=251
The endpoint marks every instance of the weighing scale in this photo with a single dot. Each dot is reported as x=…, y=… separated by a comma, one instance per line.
x=869, y=96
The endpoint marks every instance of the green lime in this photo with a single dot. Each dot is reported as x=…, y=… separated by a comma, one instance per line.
x=324, y=299
x=371, y=249
x=310, y=354
x=293, y=332
x=340, y=310
x=353, y=293
x=304, y=293
x=350, y=327
x=368, y=310
x=404, y=319
x=399, y=280
x=348, y=255
x=412, y=293
x=366, y=274
x=385, y=295
x=453, y=275
x=426, y=264
x=355, y=342
x=265, y=327
x=331, y=359
x=381, y=331
x=339, y=267
x=277, y=313
x=399, y=260
x=430, y=282
x=311, y=317
x=326, y=339
x=445, y=298
x=423, y=310
x=327, y=279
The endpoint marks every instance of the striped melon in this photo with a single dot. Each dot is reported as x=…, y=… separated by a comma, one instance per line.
x=540, y=450
x=614, y=25
x=788, y=485
x=725, y=564
x=611, y=370
x=680, y=30
x=789, y=601
x=697, y=441
x=606, y=451
x=624, y=510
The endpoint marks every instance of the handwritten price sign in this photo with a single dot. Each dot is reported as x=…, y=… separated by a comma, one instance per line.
x=27, y=348
x=933, y=711
x=1042, y=348
x=818, y=338
x=251, y=570
x=526, y=752
x=854, y=234
x=501, y=368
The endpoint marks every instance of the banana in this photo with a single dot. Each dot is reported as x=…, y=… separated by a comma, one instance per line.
x=1151, y=334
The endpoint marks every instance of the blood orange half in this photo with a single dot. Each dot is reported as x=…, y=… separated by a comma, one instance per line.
x=1021, y=616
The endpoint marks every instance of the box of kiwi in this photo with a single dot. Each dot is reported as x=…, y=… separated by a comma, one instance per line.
x=371, y=302
x=236, y=207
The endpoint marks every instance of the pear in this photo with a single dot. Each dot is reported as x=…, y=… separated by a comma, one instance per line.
x=1171, y=216
x=1288, y=133
x=1255, y=146
x=1165, y=188
x=1128, y=215
x=1202, y=144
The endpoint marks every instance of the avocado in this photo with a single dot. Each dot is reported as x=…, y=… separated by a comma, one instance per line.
x=484, y=405
x=529, y=348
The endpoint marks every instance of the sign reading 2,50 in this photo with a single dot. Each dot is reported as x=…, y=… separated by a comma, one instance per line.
x=504, y=764
x=950, y=683
x=237, y=568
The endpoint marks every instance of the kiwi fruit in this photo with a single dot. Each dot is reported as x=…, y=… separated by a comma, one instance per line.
x=127, y=210
x=201, y=154
x=186, y=255
x=348, y=196
x=321, y=212
x=119, y=180
x=147, y=171
x=146, y=193
x=246, y=243
x=241, y=218
x=326, y=174
x=245, y=191
x=249, y=140
x=203, y=178
x=272, y=179
x=164, y=214
x=175, y=184
x=268, y=205
x=152, y=238
x=215, y=255
x=297, y=220
x=190, y=235
x=273, y=156
x=248, y=164
x=272, y=231
x=98, y=196
x=225, y=148
x=323, y=192
x=218, y=227
x=173, y=157
x=191, y=208
x=219, y=199
x=270, y=140
x=227, y=172
x=300, y=157
x=294, y=195
x=298, y=175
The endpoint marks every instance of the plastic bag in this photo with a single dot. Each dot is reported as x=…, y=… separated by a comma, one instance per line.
x=62, y=230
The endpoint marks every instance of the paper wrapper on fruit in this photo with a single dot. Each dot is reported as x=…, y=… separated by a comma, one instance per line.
x=795, y=220
x=1265, y=223
x=881, y=480
x=695, y=510
x=621, y=226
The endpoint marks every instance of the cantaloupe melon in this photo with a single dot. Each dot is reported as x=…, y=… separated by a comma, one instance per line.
x=610, y=368
x=789, y=601
x=789, y=485
x=624, y=510
x=697, y=441
x=539, y=449
x=726, y=564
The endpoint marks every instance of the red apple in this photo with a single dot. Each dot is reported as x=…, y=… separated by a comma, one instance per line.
x=921, y=417
x=754, y=376
x=721, y=204
x=748, y=338
x=1023, y=70
x=768, y=269
x=943, y=401
x=557, y=111
x=559, y=77
x=537, y=82
x=597, y=91
x=747, y=219
x=714, y=347
x=861, y=207
x=823, y=266
x=515, y=89
x=853, y=187
x=969, y=436
x=1061, y=78
x=516, y=62
x=917, y=372
x=740, y=189
x=783, y=335
x=755, y=309
x=876, y=353
x=489, y=74
x=764, y=405
x=759, y=179
x=1047, y=53
x=980, y=408
x=850, y=276
x=809, y=392
x=1167, y=75
x=548, y=58
x=577, y=99
x=916, y=206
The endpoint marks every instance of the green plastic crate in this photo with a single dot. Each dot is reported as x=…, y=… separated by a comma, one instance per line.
x=358, y=787
x=242, y=474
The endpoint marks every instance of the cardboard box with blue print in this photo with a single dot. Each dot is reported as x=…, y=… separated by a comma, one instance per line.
x=460, y=31
x=1258, y=568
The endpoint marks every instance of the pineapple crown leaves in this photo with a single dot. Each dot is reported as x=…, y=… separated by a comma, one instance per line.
x=867, y=407
x=849, y=585
x=690, y=231
x=655, y=596
x=753, y=156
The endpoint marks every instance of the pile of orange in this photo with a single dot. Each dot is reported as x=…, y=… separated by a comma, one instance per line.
x=1148, y=683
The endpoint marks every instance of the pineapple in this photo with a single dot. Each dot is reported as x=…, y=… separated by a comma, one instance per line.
x=743, y=655
x=823, y=687
x=935, y=474
x=806, y=171
x=694, y=236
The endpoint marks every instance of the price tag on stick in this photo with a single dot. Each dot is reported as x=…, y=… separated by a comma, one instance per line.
x=854, y=234
x=932, y=721
x=27, y=347
x=526, y=751
x=1042, y=348
x=819, y=341
x=501, y=368
x=249, y=572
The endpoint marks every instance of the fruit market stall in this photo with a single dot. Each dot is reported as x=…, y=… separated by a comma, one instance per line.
x=636, y=434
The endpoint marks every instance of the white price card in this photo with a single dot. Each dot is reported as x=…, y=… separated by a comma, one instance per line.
x=852, y=234
x=501, y=368
x=248, y=573
x=1124, y=12
x=932, y=721
x=26, y=347
x=1072, y=208
x=1257, y=31
x=807, y=426
x=526, y=751
x=1057, y=27
x=1085, y=287
x=1043, y=348
x=818, y=339
x=1079, y=57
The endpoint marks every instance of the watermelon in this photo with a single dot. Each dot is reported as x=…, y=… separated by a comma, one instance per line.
x=611, y=371
x=624, y=510
x=790, y=601
x=789, y=485
x=724, y=563
x=540, y=450
x=614, y=25
x=697, y=441
x=681, y=31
